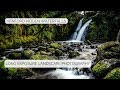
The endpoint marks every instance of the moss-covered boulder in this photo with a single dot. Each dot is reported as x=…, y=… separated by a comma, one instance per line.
x=52, y=50
x=113, y=74
x=107, y=45
x=14, y=56
x=39, y=57
x=55, y=45
x=27, y=54
x=108, y=50
x=100, y=69
x=73, y=54
x=58, y=52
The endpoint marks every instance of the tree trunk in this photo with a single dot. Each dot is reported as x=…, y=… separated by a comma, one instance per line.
x=118, y=36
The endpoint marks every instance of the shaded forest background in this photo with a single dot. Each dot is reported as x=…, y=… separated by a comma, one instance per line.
x=104, y=27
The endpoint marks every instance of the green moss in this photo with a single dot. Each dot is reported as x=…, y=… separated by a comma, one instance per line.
x=52, y=50
x=28, y=53
x=35, y=57
x=39, y=57
x=107, y=45
x=113, y=74
x=55, y=45
x=100, y=69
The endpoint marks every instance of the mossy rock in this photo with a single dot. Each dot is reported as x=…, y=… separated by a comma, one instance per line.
x=39, y=57
x=28, y=53
x=14, y=56
x=58, y=52
x=113, y=74
x=55, y=45
x=13, y=72
x=107, y=55
x=43, y=53
x=73, y=54
x=100, y=69
x=52, y=50
x=108, y=45
x=35, y=57
x=41, y=48
x=115, y=49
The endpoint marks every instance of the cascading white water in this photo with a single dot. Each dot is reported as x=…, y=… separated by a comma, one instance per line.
x=80, y=36
x=74, y=35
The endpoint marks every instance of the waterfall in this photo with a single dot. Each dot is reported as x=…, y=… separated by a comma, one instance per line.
x=71, y=73
x=74, y=35
x=82, y=31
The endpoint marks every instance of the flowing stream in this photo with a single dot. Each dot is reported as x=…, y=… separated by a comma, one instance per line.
x=86, y=53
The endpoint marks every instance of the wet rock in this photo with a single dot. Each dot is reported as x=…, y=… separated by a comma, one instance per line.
x=94, y=53
x=73, y=54
x=70, y=48
x=41, y=48
x=58, y=52
x=14, y=56
x=93, y=46
x=43, y=53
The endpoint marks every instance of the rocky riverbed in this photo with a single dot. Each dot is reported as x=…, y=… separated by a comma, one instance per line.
x=102, y=62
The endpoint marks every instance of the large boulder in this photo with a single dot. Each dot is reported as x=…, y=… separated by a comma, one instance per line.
x=100, y=69
x=108, y=50
x=113, y=74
